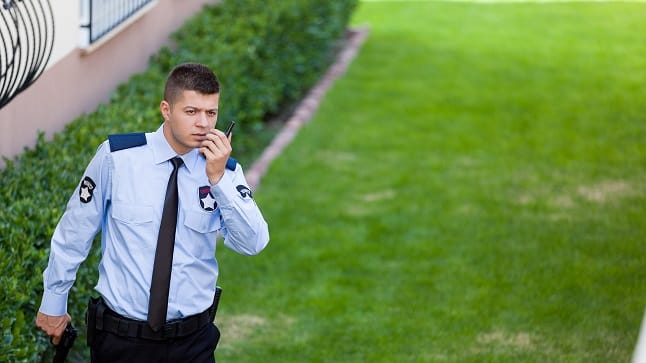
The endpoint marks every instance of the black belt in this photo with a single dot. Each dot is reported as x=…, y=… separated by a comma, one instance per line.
x=109, y=321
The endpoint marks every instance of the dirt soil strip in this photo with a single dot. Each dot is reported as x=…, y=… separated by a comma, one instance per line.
x=307, y=107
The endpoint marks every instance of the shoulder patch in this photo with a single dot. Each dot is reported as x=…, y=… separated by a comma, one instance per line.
x=126, y=141
x=86, y=190
x=232, y=163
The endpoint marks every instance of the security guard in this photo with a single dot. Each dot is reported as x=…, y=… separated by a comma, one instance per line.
x=124, y=193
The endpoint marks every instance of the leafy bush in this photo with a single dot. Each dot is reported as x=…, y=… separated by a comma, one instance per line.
x=266, y=54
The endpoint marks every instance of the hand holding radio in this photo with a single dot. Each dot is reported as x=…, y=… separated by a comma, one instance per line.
x=216, y=148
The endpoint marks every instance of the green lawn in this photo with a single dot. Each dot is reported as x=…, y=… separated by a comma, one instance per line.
x=472, y=190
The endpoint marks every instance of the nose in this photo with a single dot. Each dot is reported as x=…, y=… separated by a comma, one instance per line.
x=202, y=120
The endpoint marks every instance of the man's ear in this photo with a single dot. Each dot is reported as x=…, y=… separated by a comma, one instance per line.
x=164, y=107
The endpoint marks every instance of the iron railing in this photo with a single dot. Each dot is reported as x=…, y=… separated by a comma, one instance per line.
x=99, y=17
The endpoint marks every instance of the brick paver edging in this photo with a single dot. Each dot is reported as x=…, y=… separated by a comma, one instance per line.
x=307, y=107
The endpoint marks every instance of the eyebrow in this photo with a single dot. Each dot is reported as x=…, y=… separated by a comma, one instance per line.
x=200, y=109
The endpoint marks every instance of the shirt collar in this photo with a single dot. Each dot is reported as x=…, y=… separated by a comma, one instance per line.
x=162, y=151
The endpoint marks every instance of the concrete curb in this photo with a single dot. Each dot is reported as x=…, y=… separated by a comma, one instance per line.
x=307, y=107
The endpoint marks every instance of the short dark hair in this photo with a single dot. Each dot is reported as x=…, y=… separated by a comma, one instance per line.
x=190, y=77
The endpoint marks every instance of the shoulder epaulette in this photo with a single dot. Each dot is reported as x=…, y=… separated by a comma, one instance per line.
x=232, y=163
x=126, y=141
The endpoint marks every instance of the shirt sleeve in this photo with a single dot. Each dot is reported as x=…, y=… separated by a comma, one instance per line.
x=244, y=228
x=73, y=236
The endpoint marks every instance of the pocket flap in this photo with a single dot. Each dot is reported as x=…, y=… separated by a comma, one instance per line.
x=132, y=214
x=202, y=222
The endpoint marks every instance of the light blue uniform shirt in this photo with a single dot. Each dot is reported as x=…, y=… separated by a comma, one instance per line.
x=122, y=195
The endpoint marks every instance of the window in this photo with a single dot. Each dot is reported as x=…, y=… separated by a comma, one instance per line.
x=101, y=18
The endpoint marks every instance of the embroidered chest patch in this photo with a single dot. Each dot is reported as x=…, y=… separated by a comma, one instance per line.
x=207, y=202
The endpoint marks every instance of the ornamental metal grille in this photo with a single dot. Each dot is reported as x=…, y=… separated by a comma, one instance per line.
x=26, y=42
x=99, y=17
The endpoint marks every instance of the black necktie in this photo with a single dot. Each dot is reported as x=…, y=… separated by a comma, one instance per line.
x=158, y=303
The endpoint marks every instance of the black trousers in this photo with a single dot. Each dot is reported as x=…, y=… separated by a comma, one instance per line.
x=195, y=348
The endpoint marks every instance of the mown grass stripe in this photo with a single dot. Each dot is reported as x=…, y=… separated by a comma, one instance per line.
x=471, y=190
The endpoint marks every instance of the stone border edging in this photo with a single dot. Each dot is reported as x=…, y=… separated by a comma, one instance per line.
x=307, y=107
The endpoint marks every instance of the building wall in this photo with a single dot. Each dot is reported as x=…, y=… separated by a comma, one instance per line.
x=66, y=22
x=77, y=81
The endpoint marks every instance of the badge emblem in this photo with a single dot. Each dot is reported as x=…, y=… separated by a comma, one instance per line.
x=244, y=191
x=207, y=202
x=86, y=190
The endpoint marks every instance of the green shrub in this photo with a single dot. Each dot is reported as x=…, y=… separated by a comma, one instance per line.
x=266, y=54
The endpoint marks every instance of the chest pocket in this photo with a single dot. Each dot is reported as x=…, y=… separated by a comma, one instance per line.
x=134, y=227
x=202, y=222
x=204, y=227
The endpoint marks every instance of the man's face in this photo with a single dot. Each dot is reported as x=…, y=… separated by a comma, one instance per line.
x=188, y=119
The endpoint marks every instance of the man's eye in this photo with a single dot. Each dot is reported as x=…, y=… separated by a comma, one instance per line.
x=190, y=112
x=213, y=113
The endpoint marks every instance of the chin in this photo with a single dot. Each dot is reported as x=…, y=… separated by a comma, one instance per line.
x=192, y=145
x=187, y=145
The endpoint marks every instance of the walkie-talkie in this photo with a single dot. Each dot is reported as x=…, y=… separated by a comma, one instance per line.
x=229, y=128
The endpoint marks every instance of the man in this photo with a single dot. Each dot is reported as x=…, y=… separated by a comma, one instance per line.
x=142, y=190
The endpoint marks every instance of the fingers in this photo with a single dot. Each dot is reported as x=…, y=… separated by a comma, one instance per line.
x=218, y=137
x=216, y=145
x=54, y=326
x=216, y=148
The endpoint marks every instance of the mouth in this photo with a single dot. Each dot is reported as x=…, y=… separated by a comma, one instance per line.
x=200, y=137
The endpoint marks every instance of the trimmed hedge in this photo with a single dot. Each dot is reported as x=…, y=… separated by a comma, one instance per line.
x=266, y=54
